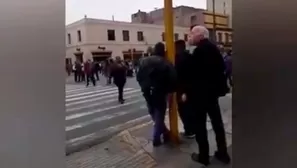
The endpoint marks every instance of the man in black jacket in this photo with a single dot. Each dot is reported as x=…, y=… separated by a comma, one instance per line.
x=156, y=77
x=119, y=73
x=181, y=69
x=203, y=90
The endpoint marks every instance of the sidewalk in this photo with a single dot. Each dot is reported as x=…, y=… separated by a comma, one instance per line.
x=133, y=149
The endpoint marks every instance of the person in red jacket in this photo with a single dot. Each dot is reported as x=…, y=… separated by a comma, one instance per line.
x=89, y=71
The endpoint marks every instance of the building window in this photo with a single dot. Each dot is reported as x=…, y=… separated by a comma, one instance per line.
x=126, y=36
x=220, y=38
x=111, y=35
x=69, y=38
x=140, y=36
x=186, y=37
x=176, y=36
x=227, y=38
x=79, y=36
x=163, y=36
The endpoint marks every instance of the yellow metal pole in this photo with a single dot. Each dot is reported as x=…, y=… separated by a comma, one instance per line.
x=168, y=22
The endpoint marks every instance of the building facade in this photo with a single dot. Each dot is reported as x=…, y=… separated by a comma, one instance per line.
x=97, y=39
x=223, y=7
x=186, y=16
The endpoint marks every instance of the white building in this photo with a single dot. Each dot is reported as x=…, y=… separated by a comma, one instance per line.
x=221, y=6
x=99, y=39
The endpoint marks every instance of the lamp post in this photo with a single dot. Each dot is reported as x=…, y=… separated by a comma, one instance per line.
x=168, y=22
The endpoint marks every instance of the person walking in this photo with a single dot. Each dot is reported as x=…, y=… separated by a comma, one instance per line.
x=228, y=65
x=181, y=65
x=78, y=71
x=96, y=70
x=83, y=74
x=156, y=77
x=89, y=71
x=203, y=92
x=119, y=75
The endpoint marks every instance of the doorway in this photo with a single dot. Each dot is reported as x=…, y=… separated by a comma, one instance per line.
x=101, y=55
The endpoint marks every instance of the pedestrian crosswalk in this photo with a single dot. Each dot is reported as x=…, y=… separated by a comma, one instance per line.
x=96, y=109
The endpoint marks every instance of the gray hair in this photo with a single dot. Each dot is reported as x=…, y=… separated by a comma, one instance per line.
x=202, y=31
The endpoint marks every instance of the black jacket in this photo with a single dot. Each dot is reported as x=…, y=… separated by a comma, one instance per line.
x=156, y=72
x=119, y=73
x=181, y=67
x=206, y=66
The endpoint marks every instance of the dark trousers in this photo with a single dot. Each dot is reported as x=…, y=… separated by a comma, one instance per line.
x=92, y=78
x=211, y=107
x=120, y=91
x=76, y=76
x=97, y=74
x=186, y=115
x=157, y=104
x=83, y=76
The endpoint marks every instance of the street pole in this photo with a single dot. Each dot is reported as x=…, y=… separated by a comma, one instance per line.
x=168, y=22
x=214, y=30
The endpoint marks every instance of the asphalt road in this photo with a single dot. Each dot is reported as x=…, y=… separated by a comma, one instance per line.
x=95, y=110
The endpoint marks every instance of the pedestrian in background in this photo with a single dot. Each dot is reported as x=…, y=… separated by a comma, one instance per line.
x=82, y=73
x=228, y=65
x=97, y=69
x=108, y=71
x=119, y=75
x=204, y=88
x=181, y=65
x=89, y=69
x=77, y=71
x=156, y=77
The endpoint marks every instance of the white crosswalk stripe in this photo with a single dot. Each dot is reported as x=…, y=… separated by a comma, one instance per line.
x=89, y=110
x=95, y=109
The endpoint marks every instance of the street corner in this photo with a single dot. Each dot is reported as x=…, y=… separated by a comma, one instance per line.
x=121, y=151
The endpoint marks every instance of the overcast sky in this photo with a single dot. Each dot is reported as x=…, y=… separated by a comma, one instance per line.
x=121, y=9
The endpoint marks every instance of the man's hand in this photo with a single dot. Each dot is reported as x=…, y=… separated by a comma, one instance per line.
x=184, y=97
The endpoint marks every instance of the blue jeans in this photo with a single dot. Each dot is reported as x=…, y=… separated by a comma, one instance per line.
x=157, y=104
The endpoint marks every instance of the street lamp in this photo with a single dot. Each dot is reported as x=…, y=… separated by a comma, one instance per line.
x=168, y=22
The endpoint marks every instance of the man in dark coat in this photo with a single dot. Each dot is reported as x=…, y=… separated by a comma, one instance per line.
x=89, y=69
x=119, y=75
x=204, y=88
x=156, y=77
x=181, y=68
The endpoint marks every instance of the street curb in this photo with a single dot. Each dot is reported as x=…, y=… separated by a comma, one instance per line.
x=102, y=136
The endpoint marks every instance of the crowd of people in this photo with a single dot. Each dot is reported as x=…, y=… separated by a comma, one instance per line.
x=115, y=71
x=199, y=78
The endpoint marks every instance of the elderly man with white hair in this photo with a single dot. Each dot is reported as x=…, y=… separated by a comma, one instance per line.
x=206, y=84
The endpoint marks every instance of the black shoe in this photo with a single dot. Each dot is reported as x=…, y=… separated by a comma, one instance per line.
x=188, y=135
x=157, y=142
x=198, y=158
x=223, y=157
x=122, y=101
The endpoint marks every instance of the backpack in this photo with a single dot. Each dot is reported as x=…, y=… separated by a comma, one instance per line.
x=156, y=72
